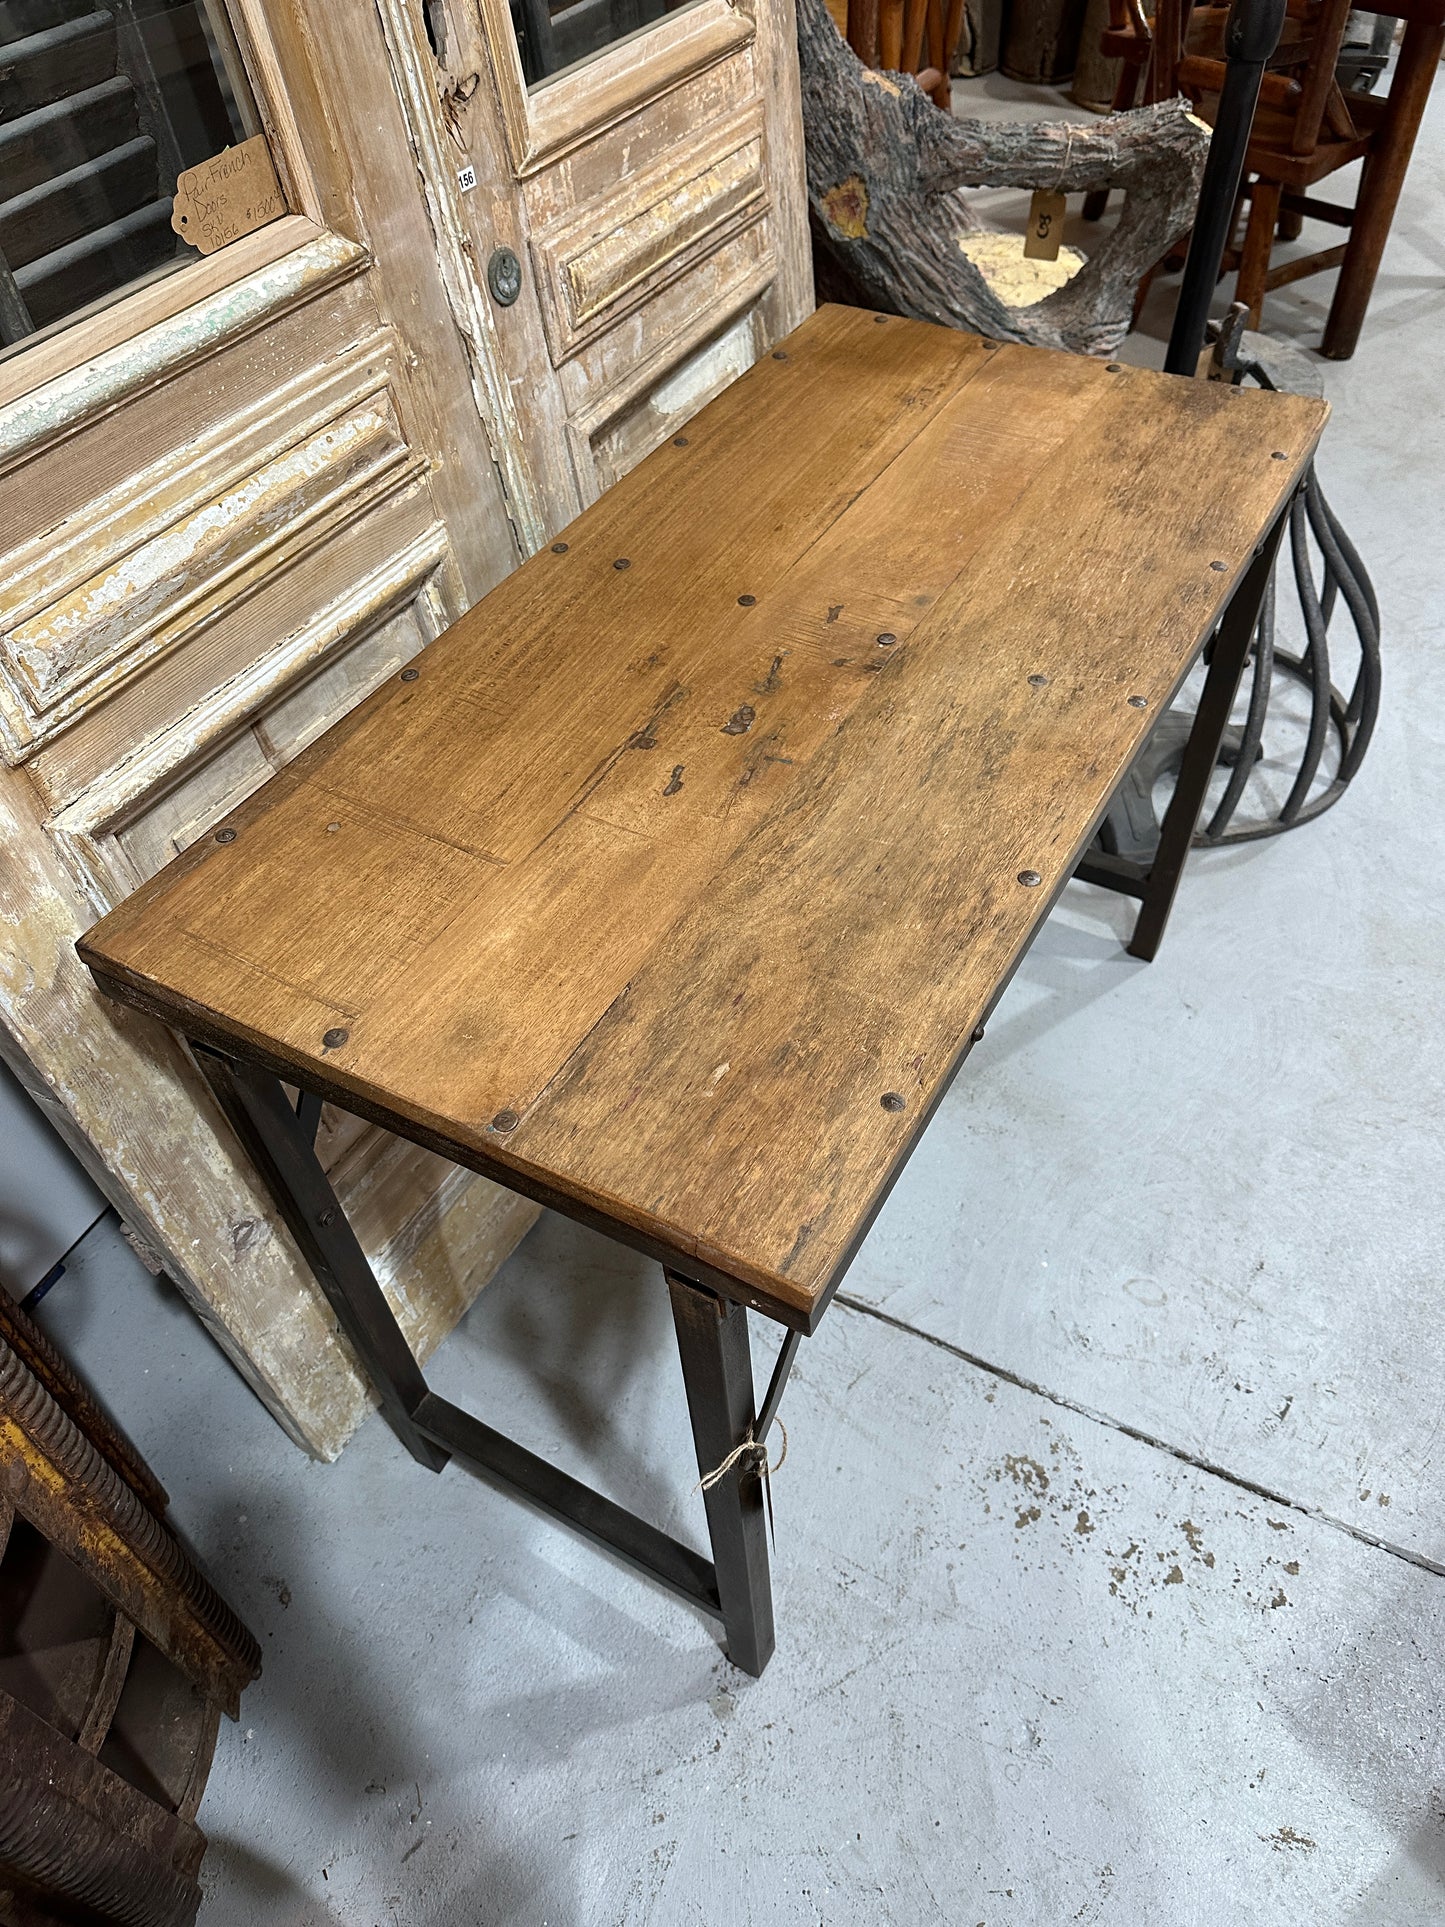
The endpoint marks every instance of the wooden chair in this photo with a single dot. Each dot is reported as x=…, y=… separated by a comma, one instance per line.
x=908, y=37
x=1149, y=48
x=1305, y=128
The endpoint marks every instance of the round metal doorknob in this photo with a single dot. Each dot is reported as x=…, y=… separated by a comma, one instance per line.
x=504, y=276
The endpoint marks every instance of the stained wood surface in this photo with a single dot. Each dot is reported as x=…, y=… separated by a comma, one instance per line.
x=659, y=879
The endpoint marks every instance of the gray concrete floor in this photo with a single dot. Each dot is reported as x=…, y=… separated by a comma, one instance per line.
x=1110, y=1542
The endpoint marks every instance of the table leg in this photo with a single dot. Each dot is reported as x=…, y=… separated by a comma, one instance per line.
x=712, y=1338
x=1232, y=643
x=279, y=1145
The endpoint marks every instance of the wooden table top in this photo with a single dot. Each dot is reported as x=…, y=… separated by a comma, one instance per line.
x=673, y=885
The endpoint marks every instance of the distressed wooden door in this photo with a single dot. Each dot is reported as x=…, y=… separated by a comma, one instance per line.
x=238, y=492
x=652, y=195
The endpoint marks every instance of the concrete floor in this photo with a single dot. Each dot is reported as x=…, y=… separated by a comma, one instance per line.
x=1110, y=1542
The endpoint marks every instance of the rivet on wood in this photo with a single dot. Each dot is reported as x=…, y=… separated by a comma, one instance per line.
x=559, y=548
x=410, y=675
x=746, y=601
x=622, y=563
x=225, y=836
x=1039, y=682
x=978, y=1035
x=886, y=640
x=1219, y=567
x=334, y=1039
x=505, y=1121
x=328, y=1216
x=880, y=319
x=1030, y=879
x=893, y=1101
x=1114, y=368
x=1138, y=702
x=679, y=441
x=1278, y=455
x=332, y=828
x=778, y=355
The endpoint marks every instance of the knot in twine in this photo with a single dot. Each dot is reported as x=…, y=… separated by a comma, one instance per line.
x=752, y=1451
x=1064, y=163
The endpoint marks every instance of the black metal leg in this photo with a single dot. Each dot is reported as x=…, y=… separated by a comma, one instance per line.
x=279, y=1146
x=1221, y=685
x=712, y=1338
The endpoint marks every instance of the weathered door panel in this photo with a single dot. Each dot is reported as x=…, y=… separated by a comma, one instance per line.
x=655, y=196
x=219, y=529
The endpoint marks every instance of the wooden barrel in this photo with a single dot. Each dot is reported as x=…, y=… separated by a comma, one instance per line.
x=1095, y=76
x=978, y=43
x=1041, y=39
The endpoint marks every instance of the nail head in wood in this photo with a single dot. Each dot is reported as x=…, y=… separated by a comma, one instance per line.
x=779, y=355
x=225, y=836
x=1114, y=368
x=1278, y=455
x=1219, y=567
x=887, y=639
x=978, y=1034
x=679, y=441
x=410, y=675
x=334, y=1039
x=1030, y=879
x=505, y=1121
x=746, y=601
x=1138, y=702
x=622, y=562
x=1039, y=682
x=893, y=1101
x=559, y=548
x=332, y=828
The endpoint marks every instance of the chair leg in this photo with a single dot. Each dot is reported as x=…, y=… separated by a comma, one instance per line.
x=1381, y=179
x=1258, y=243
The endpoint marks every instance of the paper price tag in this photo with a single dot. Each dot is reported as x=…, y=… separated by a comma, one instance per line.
x=232, y=194
x=1046, y=226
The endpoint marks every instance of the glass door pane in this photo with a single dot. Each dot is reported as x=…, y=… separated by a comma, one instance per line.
x=101, y=106
x=553, y=34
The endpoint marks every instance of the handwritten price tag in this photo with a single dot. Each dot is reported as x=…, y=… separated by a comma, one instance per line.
x=1046, y=226
x=232, y=194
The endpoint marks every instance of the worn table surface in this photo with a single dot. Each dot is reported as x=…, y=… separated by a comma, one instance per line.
x=674, y=884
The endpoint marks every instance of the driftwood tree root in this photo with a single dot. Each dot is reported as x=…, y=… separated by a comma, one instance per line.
x=885, y=174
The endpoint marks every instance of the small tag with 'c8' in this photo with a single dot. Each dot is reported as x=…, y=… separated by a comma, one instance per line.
x=1046, y=225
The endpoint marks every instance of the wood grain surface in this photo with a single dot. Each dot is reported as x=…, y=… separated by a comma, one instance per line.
x=673, y=891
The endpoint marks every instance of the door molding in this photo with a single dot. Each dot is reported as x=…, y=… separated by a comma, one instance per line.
x=547, y=121
x=49, y=391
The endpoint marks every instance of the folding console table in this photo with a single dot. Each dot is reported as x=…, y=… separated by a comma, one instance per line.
x=671, y=886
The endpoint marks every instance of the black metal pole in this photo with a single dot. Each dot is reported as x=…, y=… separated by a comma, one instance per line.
x=1251, y=35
